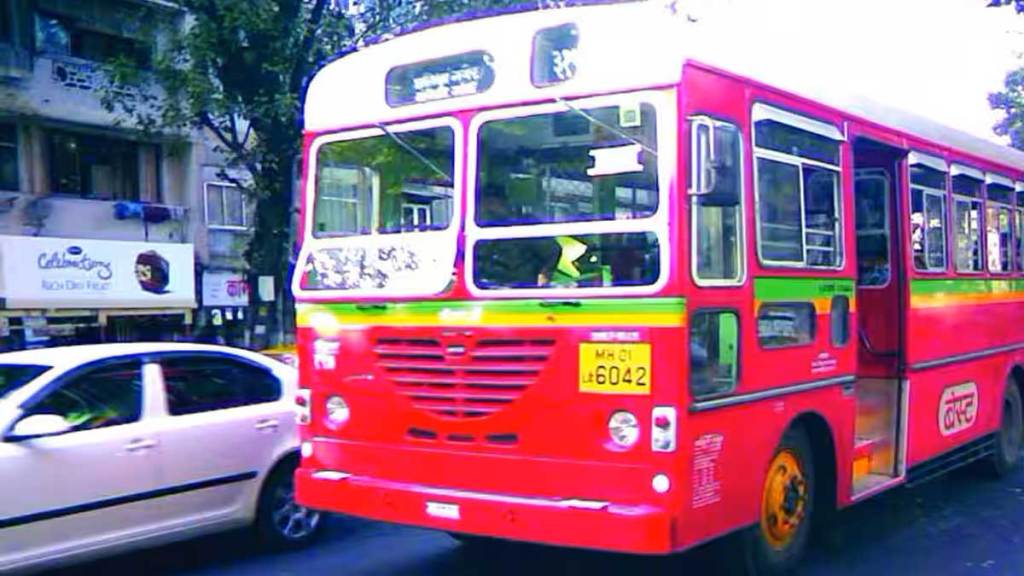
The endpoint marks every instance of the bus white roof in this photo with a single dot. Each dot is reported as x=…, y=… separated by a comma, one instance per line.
x=621, y=47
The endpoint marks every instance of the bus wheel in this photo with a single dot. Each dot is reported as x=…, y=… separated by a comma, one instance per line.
x=1007, y=454
x=777, y=543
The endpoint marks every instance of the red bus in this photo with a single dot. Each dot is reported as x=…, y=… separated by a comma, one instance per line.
x=565, y=278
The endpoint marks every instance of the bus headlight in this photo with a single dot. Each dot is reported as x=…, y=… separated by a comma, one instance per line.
x=337, y=410
x=624, y=428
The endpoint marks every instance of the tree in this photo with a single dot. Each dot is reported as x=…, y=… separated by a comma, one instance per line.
x=236, y=69
x=1017, y=4
x=1010, y=101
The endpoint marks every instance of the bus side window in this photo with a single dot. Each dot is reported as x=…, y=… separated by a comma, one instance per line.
x=717, y=216
x=782, y=324
x=840, y=321
x=928, y=218
x=714, y=352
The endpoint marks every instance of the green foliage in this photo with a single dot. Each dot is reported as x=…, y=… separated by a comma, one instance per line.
x=1018, y=5
x=1011, y=103
x=235, y=69
x=1011, y=100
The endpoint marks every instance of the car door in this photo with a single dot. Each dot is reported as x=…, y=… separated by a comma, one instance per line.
x=86, y=488
x=221, y=433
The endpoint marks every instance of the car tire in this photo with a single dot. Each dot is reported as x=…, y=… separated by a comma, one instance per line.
x=281, y=523
x=1006, y=456
x=776, y=544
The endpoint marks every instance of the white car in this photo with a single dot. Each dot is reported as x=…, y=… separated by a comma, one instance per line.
x=109, y=447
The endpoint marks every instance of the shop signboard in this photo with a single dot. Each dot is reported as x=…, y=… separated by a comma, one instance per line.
x=225, y=289
x=77, y=273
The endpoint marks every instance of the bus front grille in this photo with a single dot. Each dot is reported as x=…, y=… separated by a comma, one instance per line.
x=470, y=379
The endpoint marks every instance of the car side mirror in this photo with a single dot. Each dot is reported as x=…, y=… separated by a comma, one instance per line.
x=38, y=426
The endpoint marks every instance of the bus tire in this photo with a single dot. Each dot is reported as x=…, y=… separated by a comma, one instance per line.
x=776, y=544
x=1006, y=456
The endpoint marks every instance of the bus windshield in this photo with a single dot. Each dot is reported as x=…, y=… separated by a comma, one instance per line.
x=583, y=164
x=398, y=181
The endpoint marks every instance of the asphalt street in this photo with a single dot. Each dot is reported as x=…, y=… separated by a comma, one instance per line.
x=962, y=523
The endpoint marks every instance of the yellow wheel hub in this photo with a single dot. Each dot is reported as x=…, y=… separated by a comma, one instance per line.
x=784, y=501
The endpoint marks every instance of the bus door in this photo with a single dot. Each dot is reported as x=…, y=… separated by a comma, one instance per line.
x=881, y=393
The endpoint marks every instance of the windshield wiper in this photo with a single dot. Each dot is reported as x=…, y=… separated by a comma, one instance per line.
x=419, y=156
x=615, y=130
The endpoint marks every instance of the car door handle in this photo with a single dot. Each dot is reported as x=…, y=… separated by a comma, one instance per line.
x=268, y=424
x=139, y=445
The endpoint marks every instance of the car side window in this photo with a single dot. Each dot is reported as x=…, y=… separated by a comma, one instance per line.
x=206, y=383
x=109, y=395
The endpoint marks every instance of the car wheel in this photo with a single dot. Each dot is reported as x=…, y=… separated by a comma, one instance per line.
x=281, y=522
x=1006, y=457
x=776, y=544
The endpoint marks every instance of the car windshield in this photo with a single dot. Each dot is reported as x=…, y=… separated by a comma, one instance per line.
x=398, y=181
x=14, y=376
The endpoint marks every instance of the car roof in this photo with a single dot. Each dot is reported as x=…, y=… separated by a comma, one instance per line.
x=69, y=356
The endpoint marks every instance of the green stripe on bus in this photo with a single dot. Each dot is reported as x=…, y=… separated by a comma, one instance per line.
x=782, y=289
x=567, y=306
x=923, y=286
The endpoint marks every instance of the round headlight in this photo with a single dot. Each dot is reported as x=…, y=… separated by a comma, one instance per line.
x=337, y=410
x=624, y=428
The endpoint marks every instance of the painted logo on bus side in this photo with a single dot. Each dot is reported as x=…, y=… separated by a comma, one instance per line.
x=958, y=408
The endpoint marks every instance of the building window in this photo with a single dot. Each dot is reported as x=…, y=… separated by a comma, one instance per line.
x=58, y=36
x=8, y=157
x=225, y=206
x=93, y=166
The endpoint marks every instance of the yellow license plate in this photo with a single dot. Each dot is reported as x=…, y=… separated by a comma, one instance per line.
x=615, y=368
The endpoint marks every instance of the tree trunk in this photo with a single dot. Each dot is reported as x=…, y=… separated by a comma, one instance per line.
x=269, y=253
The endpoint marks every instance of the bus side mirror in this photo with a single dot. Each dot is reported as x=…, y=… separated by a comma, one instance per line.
x=702, y=156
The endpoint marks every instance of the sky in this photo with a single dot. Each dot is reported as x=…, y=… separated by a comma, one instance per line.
x=939, y=58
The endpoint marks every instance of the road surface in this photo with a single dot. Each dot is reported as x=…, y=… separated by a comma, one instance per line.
x=962, y=523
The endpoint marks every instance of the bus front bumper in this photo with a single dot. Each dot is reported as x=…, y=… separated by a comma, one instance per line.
x=638, y=529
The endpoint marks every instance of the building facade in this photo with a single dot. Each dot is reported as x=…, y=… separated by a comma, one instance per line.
x=107, y=232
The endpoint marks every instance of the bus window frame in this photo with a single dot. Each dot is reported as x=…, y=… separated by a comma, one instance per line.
x=799, y=162
x=982, y=223
x=1018, y=215
x=666, y=111
x=741, y=239
x=458, y=149
x=938, y=164
x=1013, y=236
x=883, y=175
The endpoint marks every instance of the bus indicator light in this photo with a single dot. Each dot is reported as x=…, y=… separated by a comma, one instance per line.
x=663, y=432
x=302, y=403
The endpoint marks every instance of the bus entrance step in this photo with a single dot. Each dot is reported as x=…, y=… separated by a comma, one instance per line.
x=963, y=455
